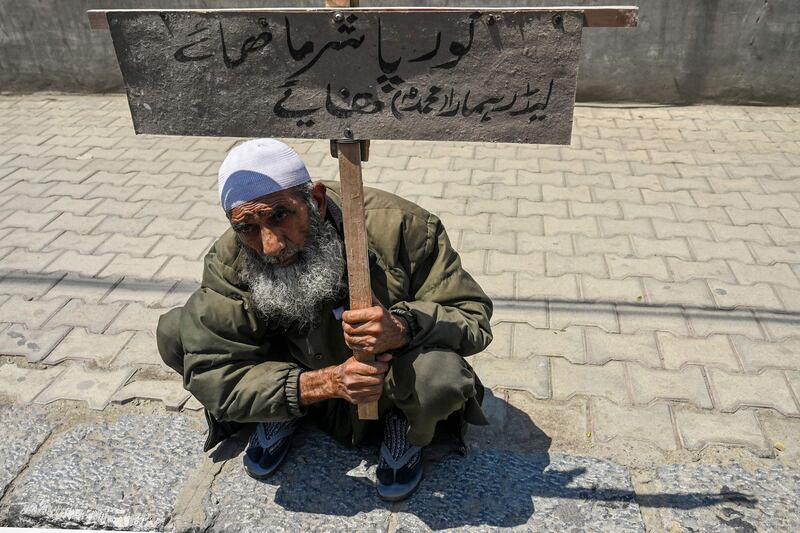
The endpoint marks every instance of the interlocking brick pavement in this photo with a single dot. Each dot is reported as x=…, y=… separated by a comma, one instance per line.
x=647, y=274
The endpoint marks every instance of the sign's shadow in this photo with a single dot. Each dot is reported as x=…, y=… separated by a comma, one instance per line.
x=489, y=487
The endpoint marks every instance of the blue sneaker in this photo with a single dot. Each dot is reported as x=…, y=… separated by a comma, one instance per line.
x=268, y=446
x=399, y=469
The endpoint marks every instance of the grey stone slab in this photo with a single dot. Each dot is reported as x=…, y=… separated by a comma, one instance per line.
x=24, y=430
x=124, y=474
x=496, y=489
x=322, y=487
x=729, y=498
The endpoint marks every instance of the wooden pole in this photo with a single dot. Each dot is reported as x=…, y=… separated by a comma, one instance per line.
x=355, y=242
x=355, y=228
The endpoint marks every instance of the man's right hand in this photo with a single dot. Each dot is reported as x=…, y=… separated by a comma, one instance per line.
x=361, y=382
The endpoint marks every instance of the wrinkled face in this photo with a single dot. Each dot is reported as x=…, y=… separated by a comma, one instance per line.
x=293, y=262
x=276, y=226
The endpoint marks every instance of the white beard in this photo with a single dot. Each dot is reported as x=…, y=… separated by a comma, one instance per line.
x=294, y=295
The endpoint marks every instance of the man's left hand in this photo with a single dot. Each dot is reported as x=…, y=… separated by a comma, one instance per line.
x=374, y=330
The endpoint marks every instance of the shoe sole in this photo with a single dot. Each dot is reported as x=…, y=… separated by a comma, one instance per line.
x=256, y=471
x=399, y=494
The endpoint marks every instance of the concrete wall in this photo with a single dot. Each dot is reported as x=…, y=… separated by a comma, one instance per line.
x=724, y=51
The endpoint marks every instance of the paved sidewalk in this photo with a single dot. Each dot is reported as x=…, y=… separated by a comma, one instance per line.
x=646, y=277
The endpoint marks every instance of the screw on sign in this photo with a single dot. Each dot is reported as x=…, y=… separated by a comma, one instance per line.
x=350, y=74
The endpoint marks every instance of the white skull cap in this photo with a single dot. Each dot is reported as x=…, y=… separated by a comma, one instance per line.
x=256, y=168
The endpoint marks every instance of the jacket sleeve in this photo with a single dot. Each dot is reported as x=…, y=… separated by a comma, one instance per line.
x=448, y=309
x=229, y=365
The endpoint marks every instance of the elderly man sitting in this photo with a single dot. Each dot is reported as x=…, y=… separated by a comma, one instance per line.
x=268, y=338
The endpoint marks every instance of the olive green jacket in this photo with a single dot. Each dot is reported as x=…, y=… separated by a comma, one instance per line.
x=242, y=369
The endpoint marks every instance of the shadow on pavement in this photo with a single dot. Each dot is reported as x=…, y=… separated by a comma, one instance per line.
x=489, y=487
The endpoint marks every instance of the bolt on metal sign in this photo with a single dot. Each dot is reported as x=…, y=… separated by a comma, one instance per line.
x=455, y=75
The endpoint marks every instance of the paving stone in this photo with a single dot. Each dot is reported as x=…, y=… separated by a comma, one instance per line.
x=693, y=292
x=106, y=461
x=768, y=389
x=126, y=244
x=26, y=219
x=497, y=285
x=528, y=208
x=711, y=268
x=752, y=233
x=624, y=266
x=532, y=375
x=568, y=343
x=122, y=226
x=600, y=245
x=728, y=497
x=181, y=269
x=708, y=214
x=667, y=197
x=612, y=290
x=87, y=289
x=560, y=244
x=558, y=265
x=300, y=492
x=170, y=393
x=81, y=344
x=644, y=247
x=779, y=325
x=136, y=267
x=767, y=255
x=713, y=351
x=25, y=429
x=533, y=425
x=23, y=384
x=31, y=313
x=602, y=346
x=707, y=250
x=34, y=262
x=533, y=287
x=31, y=240
x=732, y=322
x=534, y=313
x=666, y=229
x=564, y=314
x=611, y=423
x=789, y=297
x=69, y=240
x=778, y=274
x=140, y=351
x=783, y=434
x=611, y=227
x=538, y=495
x=166, y=226
x=95, y=387
x=576, y=225
x=502, y=242
x=503, y=334
x=94, y=317
x=744, y=217
x=33, y=344
x=607, y=381
x=604, y=209
x=192, y=405
x=634, y=318
x=699, y=429
x=652, y=384
x=78, y=223
x=758, y=296
x=86, y=265
x=26, y=284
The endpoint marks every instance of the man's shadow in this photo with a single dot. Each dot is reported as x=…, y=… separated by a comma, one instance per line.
x=507, y=476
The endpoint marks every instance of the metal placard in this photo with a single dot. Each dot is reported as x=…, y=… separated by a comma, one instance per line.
x=448, y=75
